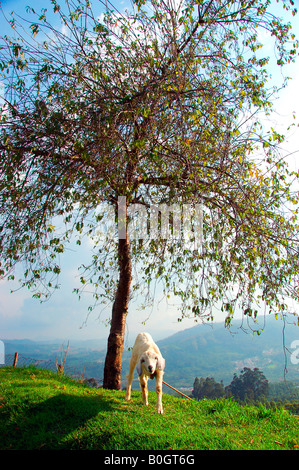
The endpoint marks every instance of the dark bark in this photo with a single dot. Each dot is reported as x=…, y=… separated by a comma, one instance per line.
x=112, y=370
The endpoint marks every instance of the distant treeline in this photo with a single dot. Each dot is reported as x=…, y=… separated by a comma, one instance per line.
x=249, y=386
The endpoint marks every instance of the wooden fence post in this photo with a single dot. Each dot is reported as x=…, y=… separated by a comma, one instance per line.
x=15, y=360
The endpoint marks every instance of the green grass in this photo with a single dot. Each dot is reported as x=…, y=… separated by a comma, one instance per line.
x=41, y=410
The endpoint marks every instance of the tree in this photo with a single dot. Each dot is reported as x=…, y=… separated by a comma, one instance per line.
x=207, y=388
x=251, y=385
x=160, y=107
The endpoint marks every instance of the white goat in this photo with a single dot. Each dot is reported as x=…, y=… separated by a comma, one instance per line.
x=150, y=363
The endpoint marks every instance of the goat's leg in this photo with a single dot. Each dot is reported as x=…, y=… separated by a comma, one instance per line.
x=143, y=385
x=130, y=378
x=159, y=393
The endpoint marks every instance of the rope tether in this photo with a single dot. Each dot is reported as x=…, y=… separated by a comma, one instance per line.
x=186, y=396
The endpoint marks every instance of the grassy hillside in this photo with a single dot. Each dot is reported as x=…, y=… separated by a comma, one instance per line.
x=40, y=410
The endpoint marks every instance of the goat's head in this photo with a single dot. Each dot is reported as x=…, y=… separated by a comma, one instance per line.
x=149, y=362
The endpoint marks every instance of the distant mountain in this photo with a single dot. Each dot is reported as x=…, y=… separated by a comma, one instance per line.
x=27, y=346
x=204, y=350
x=215, y=351
x=86, y=356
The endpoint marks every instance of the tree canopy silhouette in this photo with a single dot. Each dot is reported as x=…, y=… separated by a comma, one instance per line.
x=251, y=384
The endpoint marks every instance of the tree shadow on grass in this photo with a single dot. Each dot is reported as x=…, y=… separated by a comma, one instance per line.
x=46, y=425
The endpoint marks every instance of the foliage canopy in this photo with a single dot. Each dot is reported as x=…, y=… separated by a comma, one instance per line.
x=249, y=385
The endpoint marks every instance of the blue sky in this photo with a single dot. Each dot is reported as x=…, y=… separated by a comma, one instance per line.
x=63, y=316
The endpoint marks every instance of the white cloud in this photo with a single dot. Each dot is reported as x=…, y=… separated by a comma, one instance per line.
x=10, y=304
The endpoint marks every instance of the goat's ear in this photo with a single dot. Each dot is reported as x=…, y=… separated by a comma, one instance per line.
x=161, y=363
x=139, y=368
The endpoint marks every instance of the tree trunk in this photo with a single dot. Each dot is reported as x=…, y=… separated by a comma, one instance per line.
x=112, y=370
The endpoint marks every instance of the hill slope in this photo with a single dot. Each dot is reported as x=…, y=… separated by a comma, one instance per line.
x=41, y=410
